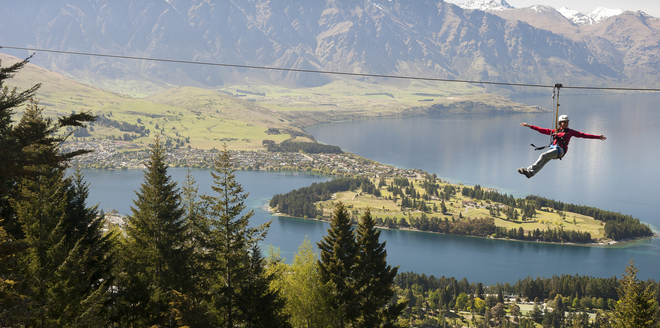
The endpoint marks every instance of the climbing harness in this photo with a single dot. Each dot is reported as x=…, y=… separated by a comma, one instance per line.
x=555, y=124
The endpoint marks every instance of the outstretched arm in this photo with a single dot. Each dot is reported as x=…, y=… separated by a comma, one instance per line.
x=587, y=135
x=536, y=128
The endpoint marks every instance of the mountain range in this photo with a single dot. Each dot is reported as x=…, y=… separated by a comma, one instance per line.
x=574, y=16
x=421, y=38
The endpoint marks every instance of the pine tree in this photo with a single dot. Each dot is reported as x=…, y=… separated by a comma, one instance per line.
x=17, y=143
x=191, y=204
x=637, y=306
x=156, y=253
x=338, y=255
x=91, y=259
x=18, y=157
x=191, y=306
x=41, y=214
x=260, y=304
x=64, y=275
x=374, y=278
x=193, y=217
x=228, y=240
x=10, y=155
x=31, y=171
x=10, y=148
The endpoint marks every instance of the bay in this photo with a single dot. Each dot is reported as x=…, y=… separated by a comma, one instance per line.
x=477, y=259
x=617, y=174
x=115, y=190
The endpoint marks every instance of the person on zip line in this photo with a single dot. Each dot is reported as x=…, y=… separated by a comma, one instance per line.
x=559, y=145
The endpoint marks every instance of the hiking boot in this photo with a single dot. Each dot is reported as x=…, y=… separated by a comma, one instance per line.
x=525, y=172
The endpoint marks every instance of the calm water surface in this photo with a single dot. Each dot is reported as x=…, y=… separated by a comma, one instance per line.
x=114, y=190
x=618, y=174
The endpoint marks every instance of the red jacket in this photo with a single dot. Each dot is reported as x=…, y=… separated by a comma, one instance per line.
x=567, y=134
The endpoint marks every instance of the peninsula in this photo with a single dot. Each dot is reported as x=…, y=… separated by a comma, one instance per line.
x=426, y=203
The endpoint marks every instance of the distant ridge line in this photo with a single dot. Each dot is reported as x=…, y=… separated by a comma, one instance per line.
x=325, y=72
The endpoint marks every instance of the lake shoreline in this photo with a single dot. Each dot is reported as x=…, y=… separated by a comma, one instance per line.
x=610, y=244
x=298, y=169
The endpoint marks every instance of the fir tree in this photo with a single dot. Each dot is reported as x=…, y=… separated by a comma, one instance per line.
x=17, y=143
x=637, y=306
x=228, y=238
x=64, y=275
x=10, y=148
x=156, y=253
x=260, y=304
x=41, y=214
x=190, y=202
x=338, y=255
x=193, y=214
x=91, y=259
x=17, y=151
x=37, y=257
x=374, y=278
x=193, y=310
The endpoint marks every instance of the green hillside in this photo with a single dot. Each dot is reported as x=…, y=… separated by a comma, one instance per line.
x=205, y=118
x=244, y=116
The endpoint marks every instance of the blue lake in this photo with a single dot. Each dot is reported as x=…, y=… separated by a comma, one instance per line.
x=618, y=174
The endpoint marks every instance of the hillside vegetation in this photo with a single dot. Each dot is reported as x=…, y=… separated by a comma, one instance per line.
x=245, y=116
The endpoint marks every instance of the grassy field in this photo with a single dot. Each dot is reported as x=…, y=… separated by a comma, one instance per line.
x=383, y=207
x=240, y=115
x=351, y=95
x=545, y=220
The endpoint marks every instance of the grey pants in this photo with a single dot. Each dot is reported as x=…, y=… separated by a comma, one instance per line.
x=552, y=153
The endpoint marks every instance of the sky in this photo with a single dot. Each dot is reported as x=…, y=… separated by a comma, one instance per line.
x=651, y=7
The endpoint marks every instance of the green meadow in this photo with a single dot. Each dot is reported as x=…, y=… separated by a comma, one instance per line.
x=383, y=207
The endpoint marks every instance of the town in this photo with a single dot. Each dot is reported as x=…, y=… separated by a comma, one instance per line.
x=121, y=155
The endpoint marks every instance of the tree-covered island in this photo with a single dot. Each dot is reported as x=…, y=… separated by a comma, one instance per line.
x=426, y=203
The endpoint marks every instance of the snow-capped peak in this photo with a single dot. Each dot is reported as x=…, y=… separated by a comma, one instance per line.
x=542, y=9
x=486, y=5
x=601, y=13
x=576, y=17
x=593, y=17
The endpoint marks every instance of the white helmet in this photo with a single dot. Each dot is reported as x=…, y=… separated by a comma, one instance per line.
x=563, y=118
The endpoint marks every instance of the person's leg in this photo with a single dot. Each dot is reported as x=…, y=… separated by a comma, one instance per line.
x=552, y=153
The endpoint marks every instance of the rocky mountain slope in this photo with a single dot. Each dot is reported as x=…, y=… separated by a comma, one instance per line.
x=426, y=38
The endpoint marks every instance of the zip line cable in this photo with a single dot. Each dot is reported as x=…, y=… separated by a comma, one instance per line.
x=323, y=72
